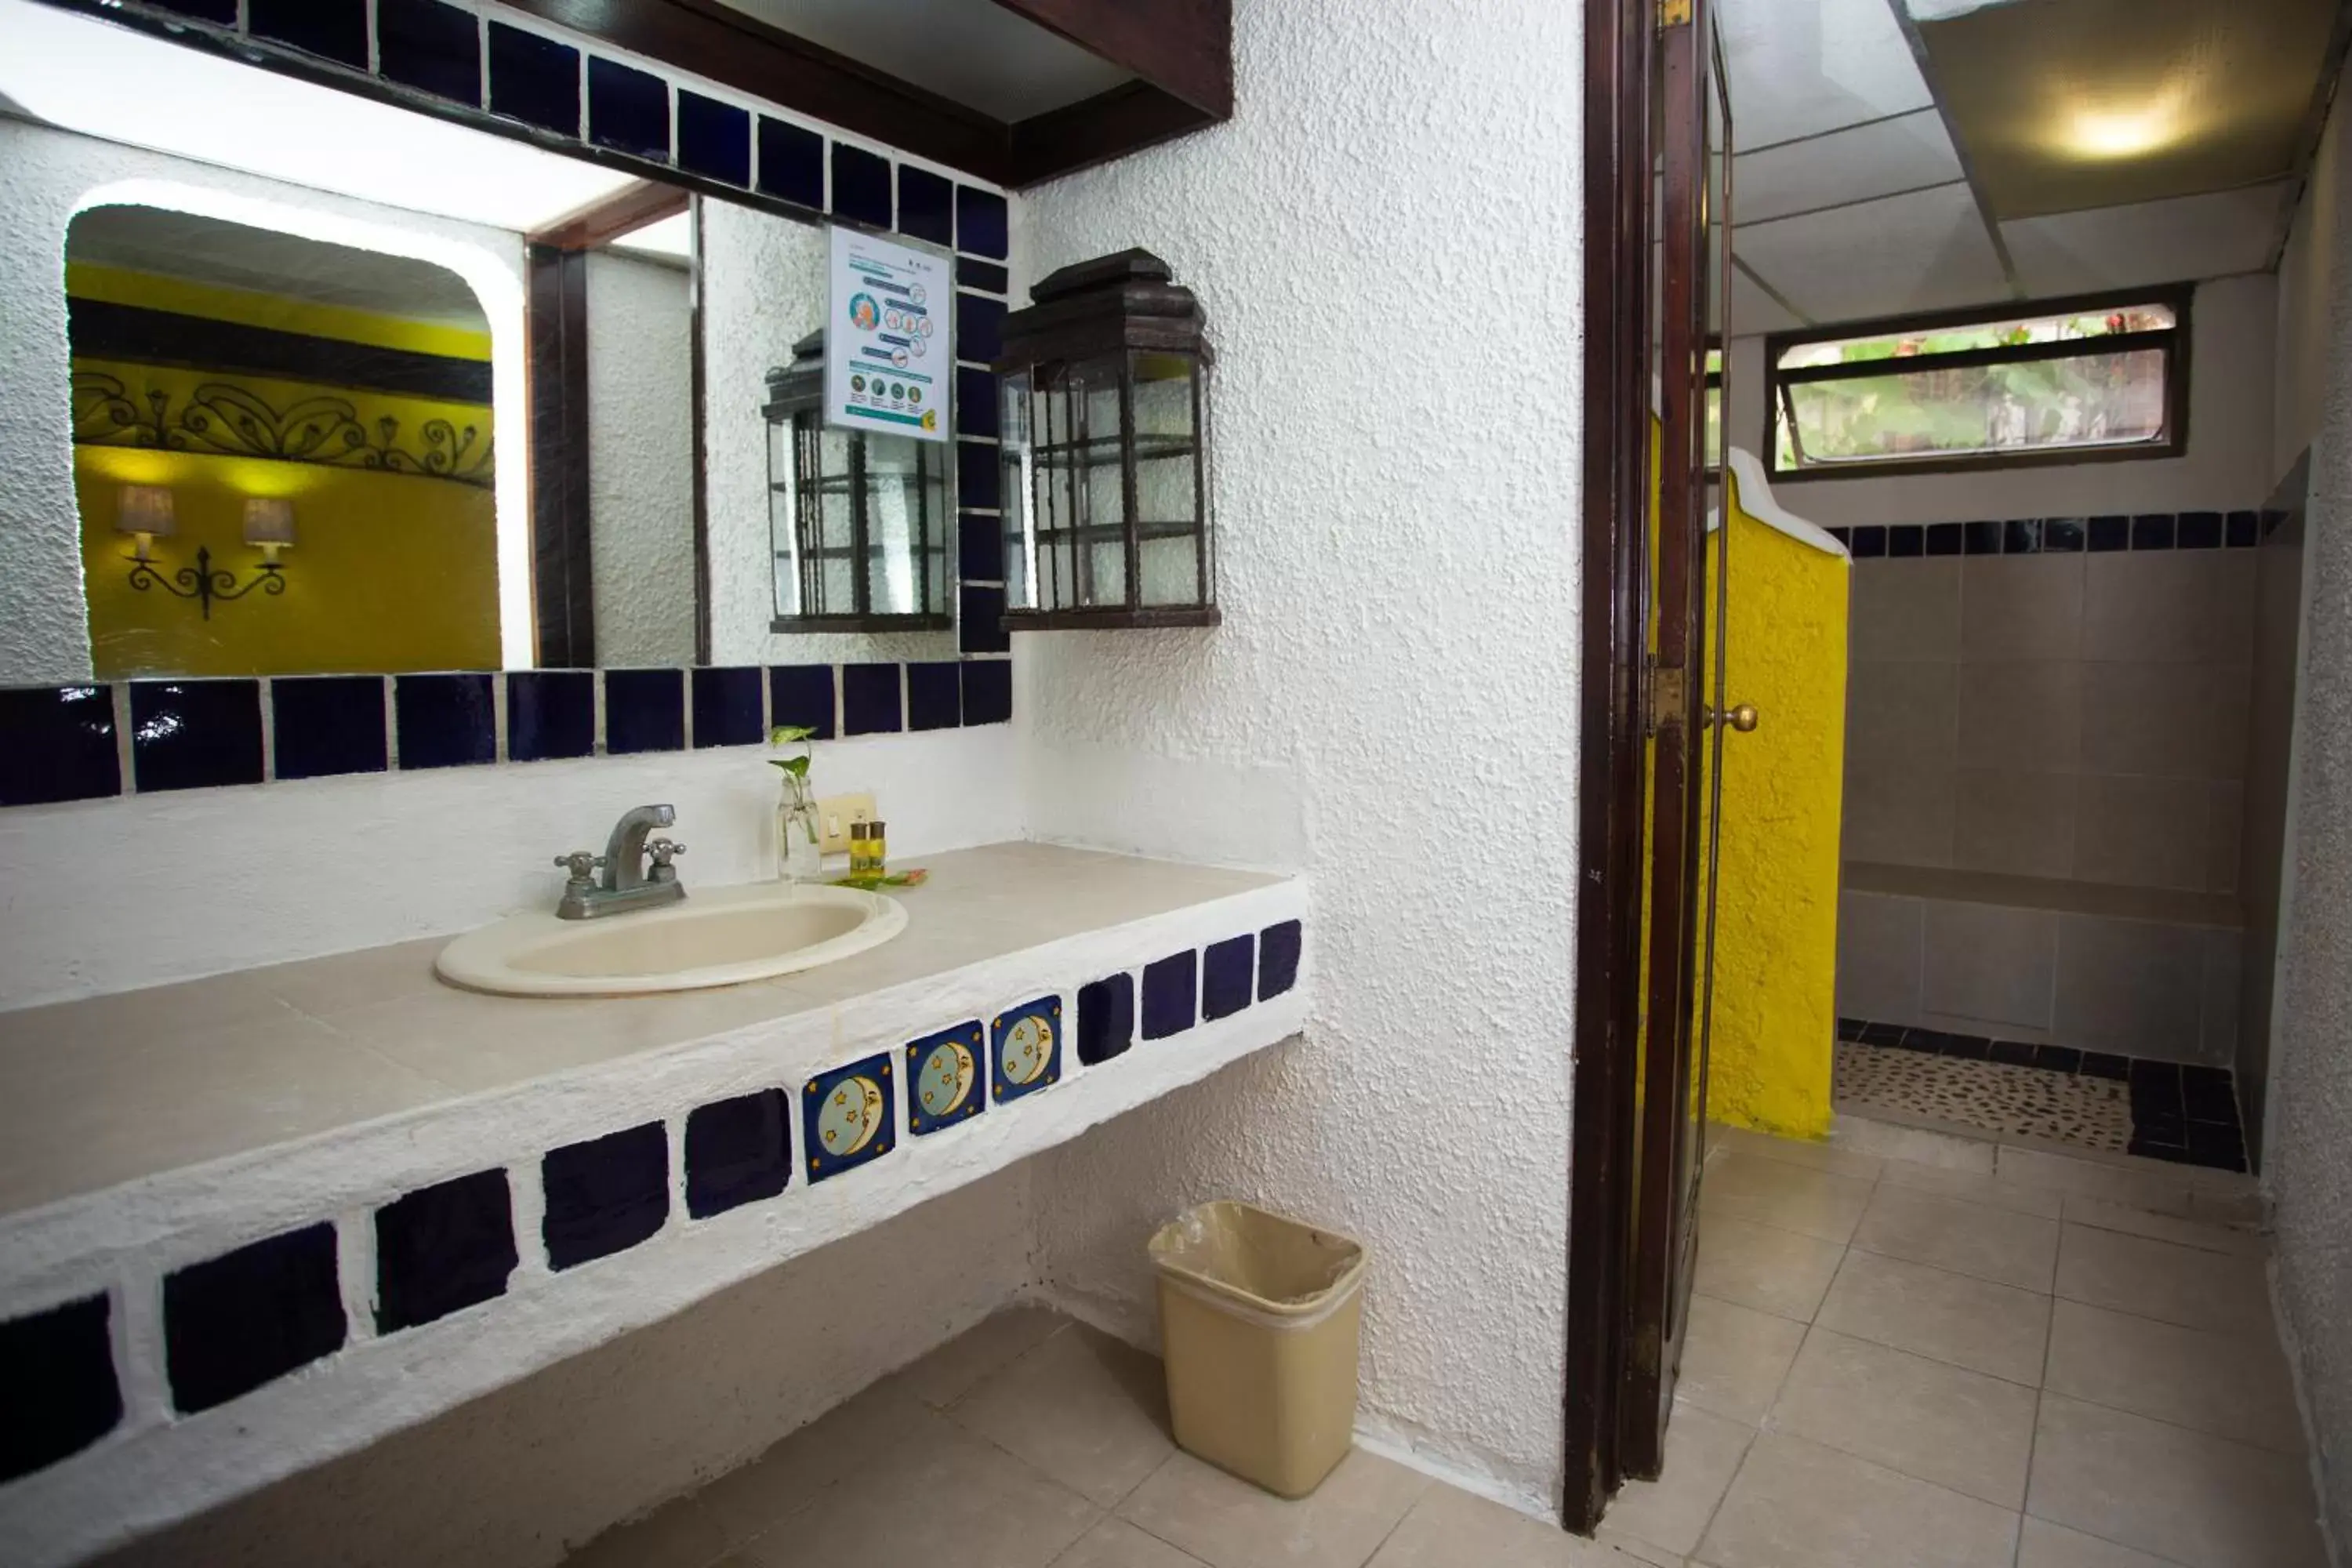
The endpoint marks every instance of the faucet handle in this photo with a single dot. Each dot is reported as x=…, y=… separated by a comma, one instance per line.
x=579, y=863
x=663, y=850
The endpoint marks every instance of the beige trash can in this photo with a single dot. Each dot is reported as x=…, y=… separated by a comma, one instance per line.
x=1259, y=1317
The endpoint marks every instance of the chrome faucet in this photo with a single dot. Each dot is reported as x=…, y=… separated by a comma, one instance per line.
x=627, y=882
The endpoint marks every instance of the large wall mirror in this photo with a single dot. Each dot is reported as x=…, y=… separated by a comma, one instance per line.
x=353, y=389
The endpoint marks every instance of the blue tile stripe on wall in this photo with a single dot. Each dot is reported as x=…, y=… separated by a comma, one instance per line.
x=238, y=1322
x=2059, y=535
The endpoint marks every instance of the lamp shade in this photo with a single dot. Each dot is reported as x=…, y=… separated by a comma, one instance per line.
x=145, y=510
x=269, y=519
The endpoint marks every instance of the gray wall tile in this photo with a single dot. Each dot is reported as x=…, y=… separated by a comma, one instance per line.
x=2021, y=714
x=1898, y=811
x=1878, y=956
x=1906, y=610
x=2022, y=824
x=1996, y=965
x=2224, y=964
x=2224, y=835
x=1903, y=711
x=2141, y=832
x=2021, y=607
x=2133, y=986
x=2172, y=606
x=2180, y=721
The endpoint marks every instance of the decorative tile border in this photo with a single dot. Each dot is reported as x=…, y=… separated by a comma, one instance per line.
x=246, y=1317
x=2061, y=535
x=145, y=737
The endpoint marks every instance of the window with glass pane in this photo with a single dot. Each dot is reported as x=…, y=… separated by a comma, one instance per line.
x=2098, y=378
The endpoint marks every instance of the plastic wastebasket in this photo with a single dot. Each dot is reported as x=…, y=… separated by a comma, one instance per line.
x=1259, y=1317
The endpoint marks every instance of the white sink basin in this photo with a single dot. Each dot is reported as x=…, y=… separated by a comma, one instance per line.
x=720, y=937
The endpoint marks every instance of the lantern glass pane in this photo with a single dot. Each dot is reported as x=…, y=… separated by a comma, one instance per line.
x=1016, y=487
x=1167, y=479
x=828, y=520
x=905, y=499
x=1100, y=479
x=783, y=537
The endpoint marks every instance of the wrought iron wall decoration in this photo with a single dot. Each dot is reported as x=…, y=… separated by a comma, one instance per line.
x=147, y=512
x=206, y=584
x=221, y=418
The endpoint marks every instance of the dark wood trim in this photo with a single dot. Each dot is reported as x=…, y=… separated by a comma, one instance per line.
x=787, y=625
x=624, y=212
x=1184, y=48
x=1109, y=620
x=1099, y=130
x=563, y=584
x=2176, y=296
x=1616, y=399
x=1974, y=359
x=98, y=329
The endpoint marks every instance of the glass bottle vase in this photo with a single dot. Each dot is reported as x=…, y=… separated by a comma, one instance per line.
x=798, y=857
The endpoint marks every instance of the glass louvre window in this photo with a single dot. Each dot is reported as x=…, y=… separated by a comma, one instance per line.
x=2064, y=382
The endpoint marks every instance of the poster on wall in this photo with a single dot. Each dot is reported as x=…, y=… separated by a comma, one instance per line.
x=887, y=353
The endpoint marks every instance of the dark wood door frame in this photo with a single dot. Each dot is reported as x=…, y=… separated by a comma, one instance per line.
x=564, y=594
x=1618, y=42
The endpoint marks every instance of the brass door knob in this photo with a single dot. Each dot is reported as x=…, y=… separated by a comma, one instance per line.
x=1743, y=718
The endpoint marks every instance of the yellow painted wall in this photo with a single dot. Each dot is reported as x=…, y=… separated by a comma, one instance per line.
x=392, y=571
x=1775, y=1020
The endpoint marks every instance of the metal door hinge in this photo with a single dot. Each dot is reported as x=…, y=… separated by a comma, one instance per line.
x=1669, y=697
x=1674, y=14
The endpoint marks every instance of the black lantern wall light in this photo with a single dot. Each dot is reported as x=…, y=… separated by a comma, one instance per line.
x=858, y=520
x=147, y=512
x=1106, y=451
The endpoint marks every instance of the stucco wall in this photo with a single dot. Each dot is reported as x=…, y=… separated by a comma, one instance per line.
x=48, y=176
x=641, y=460
x=1385, y=243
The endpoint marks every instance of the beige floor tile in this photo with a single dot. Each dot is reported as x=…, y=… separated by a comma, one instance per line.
x=1975, y=1187
x=1927, y=1419
x=2232, y=1385
x=1115, y=1544
x=1449, y=1527
x=682, y=1535
x=1798, y=1505
x=2101, y=1215
x=1624, y=1552
x=2159, y=1280
x=1228, y=1524
x=1975, y=1323
x=948, y=1373
x=1734, y=1358
x=2159, y=1191
x=2046, y=1545
x=1965, y=1237
x=791, y=1474
x=1894, y=1143
x=1833, y=1157
x=2195, y=1498
x=941, y=1498
x=1084, y=1408
x=1772, y=1270
x=1794, y=1197
x=1702, y=1453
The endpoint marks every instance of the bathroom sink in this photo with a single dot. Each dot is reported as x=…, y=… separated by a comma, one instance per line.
x=720, y=936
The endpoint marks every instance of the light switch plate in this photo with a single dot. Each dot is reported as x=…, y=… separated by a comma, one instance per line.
x=834, y=815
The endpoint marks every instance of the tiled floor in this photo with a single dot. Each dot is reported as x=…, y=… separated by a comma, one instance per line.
x=1034, y=1441
x=1896, y=1365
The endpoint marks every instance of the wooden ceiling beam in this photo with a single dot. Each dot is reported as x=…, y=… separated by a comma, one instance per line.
x=1184, y=47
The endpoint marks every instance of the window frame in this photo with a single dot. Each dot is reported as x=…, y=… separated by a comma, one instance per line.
x=2174, y=342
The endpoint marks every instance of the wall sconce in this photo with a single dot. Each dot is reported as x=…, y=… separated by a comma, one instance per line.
x=146, y=513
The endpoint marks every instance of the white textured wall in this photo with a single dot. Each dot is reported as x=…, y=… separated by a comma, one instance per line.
x=2308, y=1173
x=2227, y=468
x=641, y=458
x=48, y=176
x=1385, y=240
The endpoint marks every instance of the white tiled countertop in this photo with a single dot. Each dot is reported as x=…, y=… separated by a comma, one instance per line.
x=99, y=1092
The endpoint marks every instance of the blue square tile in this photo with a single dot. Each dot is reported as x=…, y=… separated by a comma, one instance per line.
x=861, y=186
x=978, y=475
x=979, y=547
x=737, y=1152
x=1946, y=539
x=1869, y=541
x=645, y=710
x=328, y=724
x=1228, y=971
x=1106, y=1019
x=604, y=1195
x=628, y=110
x=869, y=700
x=1982, y=538
x=2152, y=531
x=57, y=742
x=980, y=328
x=534, y=80
x=987, y=691
x=847, y=1118
x=977, y=409
x=223, y=12
x=980, y=626
x=1905, y=539
x=980, y=227
x=714, y=139
x=332, y=29
x=976, y=274
x=2106, y=534
x=2244, y=529
x=800, y=695
x=445, y=721
x=791, y=163
x=2063, y=535
x=431, y=46
x=2020, y=536
x=1277, y=959
x=1025, y=1049
x=947, y=1079
x=727, y=708
x=1844, y=536
x=934, y=695
x=551, y=713
x=926, y=206
x=1171, y=992
x=193, y=734
x=249, y=1317
x=2198, y=530
x=443, y=1249
x=57, y=1366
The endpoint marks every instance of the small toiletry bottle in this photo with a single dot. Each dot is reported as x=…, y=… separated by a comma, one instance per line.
x=877, y=847
x=858, y=853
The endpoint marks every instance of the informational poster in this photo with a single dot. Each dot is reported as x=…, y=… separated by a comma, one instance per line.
x=888, y=350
